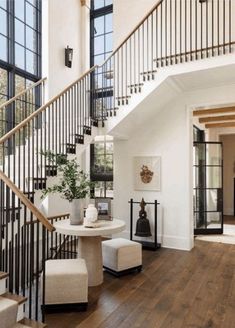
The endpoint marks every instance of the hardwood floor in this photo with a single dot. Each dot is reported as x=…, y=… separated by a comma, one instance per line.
x=175, y=289
x=229, y=219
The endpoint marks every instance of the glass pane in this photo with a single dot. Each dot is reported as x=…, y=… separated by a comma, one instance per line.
x=31, y=62
x=109, y=163
x=3, y=22
x=99, y=189
x=98, y=59
x=213, y=177
x=212, y=200
x=33, y=2
x=213, y=154
x=19, y=56
x=108, y=42
x=3, y=81
x=19, y=32
x=200, y=220
x=3, y=4
x=108, y=23
x=109, y=189
x=31, y=39
x=98, y=4
x=31, y=13
x=19, y=83
x=19, y=9
x=3, y=48
x=98, y=81
x=99, y=149
x=214, y=220
x=108, y=2
x=99, y=45
x=199, y=154
x=109, y=147
x=99, y=25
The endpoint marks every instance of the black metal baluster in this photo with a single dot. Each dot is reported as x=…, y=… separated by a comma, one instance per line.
x=207, y=18
x=166, y=39
x=201, y=30
x=181, y=31
x=230, y=26
x=224, y=20
x=185, y=31
x=218, y=28
x=161, y=31
x=191, y=32
x=212, y=27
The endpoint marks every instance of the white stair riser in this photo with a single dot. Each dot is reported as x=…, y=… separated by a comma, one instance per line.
x=3, y=283
x=20, y=313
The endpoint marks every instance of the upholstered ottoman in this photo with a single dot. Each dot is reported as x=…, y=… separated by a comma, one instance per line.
x=121, y=256
x=66, y=285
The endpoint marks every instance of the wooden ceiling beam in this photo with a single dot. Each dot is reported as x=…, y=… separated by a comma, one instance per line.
x=220, y=125
x=211, y=111
x=216, y=118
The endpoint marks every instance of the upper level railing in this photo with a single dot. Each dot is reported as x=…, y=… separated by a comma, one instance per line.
x=173, y=32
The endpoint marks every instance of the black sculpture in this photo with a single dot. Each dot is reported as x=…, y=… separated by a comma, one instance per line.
x=142, y=224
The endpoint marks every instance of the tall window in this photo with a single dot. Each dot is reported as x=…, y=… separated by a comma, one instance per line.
x=101, y=46
x=101, y=30
x=102, y=166
x=20, y=52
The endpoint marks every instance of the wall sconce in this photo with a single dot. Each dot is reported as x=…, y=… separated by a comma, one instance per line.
x=68, y=56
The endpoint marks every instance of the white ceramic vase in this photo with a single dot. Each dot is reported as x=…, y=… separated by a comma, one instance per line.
x=77, y=212
x=91, y=213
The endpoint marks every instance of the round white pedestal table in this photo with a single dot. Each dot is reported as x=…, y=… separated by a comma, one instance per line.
x=89, y=244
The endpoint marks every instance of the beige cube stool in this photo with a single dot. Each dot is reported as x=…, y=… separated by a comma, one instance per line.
x=121, y=256
x=66, y=285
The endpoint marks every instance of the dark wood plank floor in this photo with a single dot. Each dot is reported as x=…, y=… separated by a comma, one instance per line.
x=229, y=219
x=176, y=289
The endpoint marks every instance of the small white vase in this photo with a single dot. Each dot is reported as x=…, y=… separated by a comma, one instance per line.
x=91, y=213
x=77, y=212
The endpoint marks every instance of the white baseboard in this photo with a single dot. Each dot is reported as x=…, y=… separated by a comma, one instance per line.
x=228, y=211
x=3, y=286
x=174, y=242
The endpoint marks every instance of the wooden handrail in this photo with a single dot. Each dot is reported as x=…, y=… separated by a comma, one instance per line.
x=132, y=32
x=27, y=202
x=38, y=111
x=22, y=92
x=42, y=108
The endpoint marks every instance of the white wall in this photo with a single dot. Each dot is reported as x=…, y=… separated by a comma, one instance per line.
x=62, y=25
x=229, y=172
x=126, y=15
x=168, y=133
x=165, y=136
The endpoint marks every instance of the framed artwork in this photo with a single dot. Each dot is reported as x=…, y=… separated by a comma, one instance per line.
x=147, y=173
x=103, y=206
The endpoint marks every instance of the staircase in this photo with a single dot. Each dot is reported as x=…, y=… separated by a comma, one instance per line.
x=12, y=308
x=172, y=34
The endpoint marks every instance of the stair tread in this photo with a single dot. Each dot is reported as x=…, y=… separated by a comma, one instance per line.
x=3, y=275
x=31, y=323
x=20, y=299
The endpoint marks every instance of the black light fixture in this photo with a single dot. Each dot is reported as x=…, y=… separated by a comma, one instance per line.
x=201, y=1
x=68, y=56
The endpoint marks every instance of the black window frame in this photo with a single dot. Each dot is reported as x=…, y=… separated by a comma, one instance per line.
x=10, y=64
x=99, y=94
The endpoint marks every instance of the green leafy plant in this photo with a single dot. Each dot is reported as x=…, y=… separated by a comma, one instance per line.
x=73, y=184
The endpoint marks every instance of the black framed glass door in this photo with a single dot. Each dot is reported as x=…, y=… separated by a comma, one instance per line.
x=208, y=187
